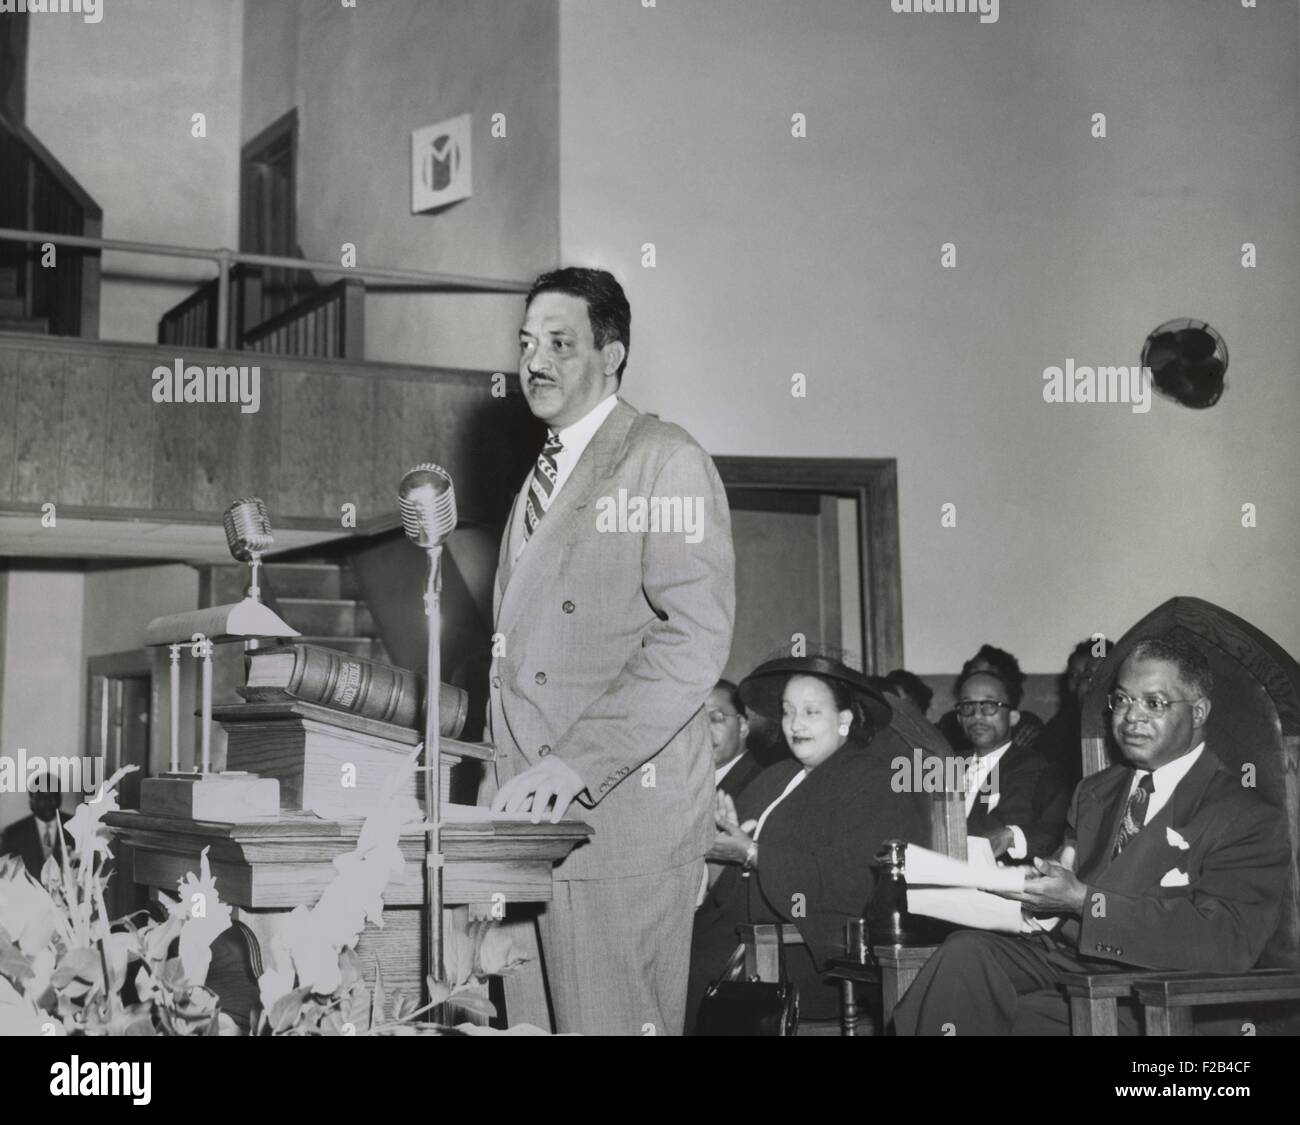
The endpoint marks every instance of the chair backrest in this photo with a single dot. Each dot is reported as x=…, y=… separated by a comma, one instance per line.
x=946, y=806
x=1254, y=719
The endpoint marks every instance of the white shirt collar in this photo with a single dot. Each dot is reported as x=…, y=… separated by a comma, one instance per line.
x=978, y=770
x=576, y=436
x=1165, y=780
x=721, y=771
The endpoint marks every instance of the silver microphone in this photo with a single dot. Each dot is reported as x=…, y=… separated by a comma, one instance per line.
x=248, y=535
x=248, y=529
x=427, y=502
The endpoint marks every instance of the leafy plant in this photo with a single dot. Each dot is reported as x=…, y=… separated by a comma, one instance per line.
x=66, y=969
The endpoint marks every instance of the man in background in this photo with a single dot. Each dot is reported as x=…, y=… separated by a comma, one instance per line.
x=1170, y=863
x=1015, y=797
x=734, y=767
x=37, y=837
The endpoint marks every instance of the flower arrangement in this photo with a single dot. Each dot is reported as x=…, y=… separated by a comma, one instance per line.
x=66, y=969
x=314, y=984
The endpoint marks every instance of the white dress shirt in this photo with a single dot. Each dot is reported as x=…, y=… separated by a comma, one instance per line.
x=574, y=438
x=976, y=774
x=48, y=830
x=1164, y=781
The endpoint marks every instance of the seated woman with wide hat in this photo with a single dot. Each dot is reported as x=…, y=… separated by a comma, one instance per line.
x=800, y=841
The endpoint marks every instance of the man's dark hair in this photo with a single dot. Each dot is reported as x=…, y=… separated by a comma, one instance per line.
x=607, y=307
x=912, y=686
x=1014, y=690
x=733, y=696
x=1003, y=663
x=1193, y=668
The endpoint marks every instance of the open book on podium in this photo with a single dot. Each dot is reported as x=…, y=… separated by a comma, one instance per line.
x=960, y=891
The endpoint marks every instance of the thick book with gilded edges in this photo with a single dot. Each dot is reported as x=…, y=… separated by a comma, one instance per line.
x=346, y=682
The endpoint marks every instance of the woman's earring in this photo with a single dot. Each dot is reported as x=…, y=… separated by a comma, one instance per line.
x=844, y=728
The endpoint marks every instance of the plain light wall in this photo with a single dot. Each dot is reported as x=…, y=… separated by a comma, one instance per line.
x=113, y=101
x=41, y=692
x=362, y=79
x=778, y=255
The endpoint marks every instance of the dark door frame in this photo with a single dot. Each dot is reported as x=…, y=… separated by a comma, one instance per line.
x=873, y=484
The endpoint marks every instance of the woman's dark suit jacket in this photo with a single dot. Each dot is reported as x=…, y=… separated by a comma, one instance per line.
x=814, y=863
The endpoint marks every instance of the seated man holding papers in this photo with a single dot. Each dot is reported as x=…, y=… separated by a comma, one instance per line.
x=1171, y=861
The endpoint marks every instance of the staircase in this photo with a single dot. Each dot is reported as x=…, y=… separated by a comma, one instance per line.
x=12, y=318
x=319, y=599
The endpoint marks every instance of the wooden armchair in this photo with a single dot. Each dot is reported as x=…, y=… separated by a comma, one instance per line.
x=1255, y=719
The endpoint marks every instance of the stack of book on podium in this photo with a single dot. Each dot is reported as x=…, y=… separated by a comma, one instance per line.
x=332, y=728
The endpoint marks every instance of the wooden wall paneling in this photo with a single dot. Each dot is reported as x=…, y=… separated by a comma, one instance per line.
x=309, y=426
x=217, y=471
x=84, y=437
x=9, y=367
x=353, y=444
x=174, y=430
x=258, y=446
x=128, y=450
x=38, y=426
x=393, y=452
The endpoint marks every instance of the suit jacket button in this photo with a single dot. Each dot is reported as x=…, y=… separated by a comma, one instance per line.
x=540, y=678
x=496, y=681
x=568, y=607
x=542, y=751
x=1119, y=952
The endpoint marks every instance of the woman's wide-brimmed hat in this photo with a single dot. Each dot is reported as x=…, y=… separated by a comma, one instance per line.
x=762, y=688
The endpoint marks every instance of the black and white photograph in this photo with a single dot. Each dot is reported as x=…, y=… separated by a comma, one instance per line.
x=651, y=518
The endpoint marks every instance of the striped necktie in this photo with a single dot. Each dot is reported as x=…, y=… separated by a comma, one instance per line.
x=541, y=485
x=1135, y=815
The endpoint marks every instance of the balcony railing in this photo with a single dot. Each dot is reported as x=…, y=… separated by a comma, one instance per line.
x=226, y=327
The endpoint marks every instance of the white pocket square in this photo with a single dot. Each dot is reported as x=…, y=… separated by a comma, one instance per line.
x=1175, y=840
x=1174, y=878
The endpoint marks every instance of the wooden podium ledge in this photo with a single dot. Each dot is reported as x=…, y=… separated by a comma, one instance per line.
x=287, y=861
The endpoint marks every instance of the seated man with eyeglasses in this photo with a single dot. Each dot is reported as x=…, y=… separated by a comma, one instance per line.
x=1015, y=796
x=1171, y=862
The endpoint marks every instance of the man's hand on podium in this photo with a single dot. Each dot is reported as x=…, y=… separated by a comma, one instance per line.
x=535, y=788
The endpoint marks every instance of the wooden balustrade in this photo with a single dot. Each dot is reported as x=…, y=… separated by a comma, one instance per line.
x=330, y=324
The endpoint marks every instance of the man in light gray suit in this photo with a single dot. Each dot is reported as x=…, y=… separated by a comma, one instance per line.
x=614, y=606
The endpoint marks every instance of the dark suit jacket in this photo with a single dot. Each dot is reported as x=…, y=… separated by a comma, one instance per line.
x=1032, y=793
x=740, y=775
x=22, y=838
x=1237, y=861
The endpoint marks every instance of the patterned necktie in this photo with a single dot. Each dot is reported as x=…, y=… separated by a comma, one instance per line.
x=541, y=485
x=1135, y=815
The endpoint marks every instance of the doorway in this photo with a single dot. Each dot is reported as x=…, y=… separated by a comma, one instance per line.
x=268, y=213
x=119, y=691
x=817, y=555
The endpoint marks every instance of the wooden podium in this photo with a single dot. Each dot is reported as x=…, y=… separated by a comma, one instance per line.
x=266, y=866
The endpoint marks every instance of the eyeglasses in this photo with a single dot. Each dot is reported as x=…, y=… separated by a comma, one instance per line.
x=1155, y=705
x=722, y=716
x=986, y=707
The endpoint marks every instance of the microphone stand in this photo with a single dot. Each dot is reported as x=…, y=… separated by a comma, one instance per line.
x=433, y=859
